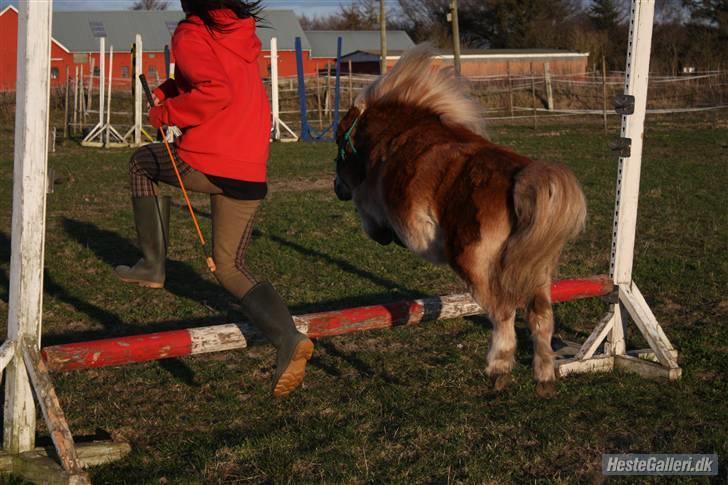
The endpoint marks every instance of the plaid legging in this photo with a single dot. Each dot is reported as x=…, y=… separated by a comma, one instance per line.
x=150, y=165
x=232, y=219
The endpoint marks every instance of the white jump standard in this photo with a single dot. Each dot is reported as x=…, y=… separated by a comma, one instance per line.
x=661, y=360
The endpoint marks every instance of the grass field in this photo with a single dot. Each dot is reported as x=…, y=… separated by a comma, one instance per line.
x=402, y=405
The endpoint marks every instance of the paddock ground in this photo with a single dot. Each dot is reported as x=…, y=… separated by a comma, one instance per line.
x=403, y=405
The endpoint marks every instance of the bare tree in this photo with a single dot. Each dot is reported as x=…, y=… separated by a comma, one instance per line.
x=150, y=5
x=360, y=15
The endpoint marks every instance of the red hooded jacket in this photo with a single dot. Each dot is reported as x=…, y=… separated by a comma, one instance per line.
x=217, y=98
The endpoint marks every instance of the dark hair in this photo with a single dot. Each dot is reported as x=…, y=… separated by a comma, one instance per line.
x=240, y=8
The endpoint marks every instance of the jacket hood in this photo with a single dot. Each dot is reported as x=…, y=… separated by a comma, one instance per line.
x=237, y=35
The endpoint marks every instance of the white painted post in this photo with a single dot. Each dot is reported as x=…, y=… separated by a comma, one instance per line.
x=28, y=219
x=628, y=172
x=274, y=88
x=628, y=180
x=107, y=131
x=102, y=79
x=628, y=187
x=139, y=49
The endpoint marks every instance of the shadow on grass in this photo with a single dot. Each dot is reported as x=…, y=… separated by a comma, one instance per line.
x=113, y=323
x=112, y=249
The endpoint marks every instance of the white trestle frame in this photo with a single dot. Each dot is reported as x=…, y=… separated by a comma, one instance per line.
x=133, y=137
x=27, y=373
x=660, y=360
x=290, y=135
x=103, y=134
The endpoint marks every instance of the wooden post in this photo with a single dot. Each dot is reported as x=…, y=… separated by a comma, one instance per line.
x=510, y=89
x=604, y=92
x=318, y=99
x=25, y=302
x=92, y=71
x=51, y=408
x=82, y=101
x=455, y=36
x=75, y=103
x=351, y=86
x=327, y=105
x=547, y=83
x=383, y=37
x=533, y=96
x=65, y=104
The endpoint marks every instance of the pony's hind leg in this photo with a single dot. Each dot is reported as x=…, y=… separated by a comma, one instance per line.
x=502, y=347
x=541, y=322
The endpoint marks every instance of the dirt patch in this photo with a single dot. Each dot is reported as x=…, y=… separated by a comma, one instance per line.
x=301, y=185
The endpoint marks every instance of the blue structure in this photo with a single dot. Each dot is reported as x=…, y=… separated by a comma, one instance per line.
x=307, y=133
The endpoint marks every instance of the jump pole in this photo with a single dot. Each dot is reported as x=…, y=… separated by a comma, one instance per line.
x=179, y=343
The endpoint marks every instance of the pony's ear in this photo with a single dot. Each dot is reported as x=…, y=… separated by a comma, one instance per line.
x=348, y=120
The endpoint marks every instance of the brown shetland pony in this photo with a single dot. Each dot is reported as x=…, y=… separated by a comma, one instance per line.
x=415, y=160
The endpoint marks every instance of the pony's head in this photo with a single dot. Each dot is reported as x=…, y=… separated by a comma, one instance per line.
x=413, y=81
x=350, y=165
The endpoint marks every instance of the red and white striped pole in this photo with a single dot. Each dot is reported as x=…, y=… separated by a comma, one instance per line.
x=179, y=343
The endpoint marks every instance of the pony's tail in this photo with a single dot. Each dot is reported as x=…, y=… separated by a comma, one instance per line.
x=550, y=209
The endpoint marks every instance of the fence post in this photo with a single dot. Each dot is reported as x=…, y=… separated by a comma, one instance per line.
x=547, y=83
x=604, y=91
x=351, y=87
x=533, y=95
x=65, y=108
x=510, y=89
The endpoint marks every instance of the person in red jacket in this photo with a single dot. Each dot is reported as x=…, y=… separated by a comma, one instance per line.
x=218, y=101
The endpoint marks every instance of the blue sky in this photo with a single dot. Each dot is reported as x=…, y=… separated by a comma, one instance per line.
x=309, y=7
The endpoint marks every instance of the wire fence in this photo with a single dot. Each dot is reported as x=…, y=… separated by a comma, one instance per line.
x=526, y=99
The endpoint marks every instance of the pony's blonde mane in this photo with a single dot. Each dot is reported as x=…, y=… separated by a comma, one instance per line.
x=415, y=81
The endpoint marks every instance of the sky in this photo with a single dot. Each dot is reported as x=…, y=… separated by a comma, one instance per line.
x=308, y=7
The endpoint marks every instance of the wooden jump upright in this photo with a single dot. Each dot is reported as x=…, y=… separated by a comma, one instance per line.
x=26, y=373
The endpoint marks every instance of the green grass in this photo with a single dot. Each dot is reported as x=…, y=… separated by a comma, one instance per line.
x=403, y=405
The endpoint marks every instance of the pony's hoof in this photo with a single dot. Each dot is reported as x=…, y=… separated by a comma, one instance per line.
x=501, y=381
x=546, y=389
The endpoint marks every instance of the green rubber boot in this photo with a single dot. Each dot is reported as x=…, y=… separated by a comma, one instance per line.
x=268, y=312
x=151, y=216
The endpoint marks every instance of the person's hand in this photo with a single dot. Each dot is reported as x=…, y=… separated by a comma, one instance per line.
x=155, y=116
x=156, y=100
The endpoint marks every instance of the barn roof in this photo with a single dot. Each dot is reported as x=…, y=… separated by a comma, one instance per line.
x=323, y=42
x=78, y=30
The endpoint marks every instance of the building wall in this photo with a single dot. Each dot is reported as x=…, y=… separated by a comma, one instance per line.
x=516, y=66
